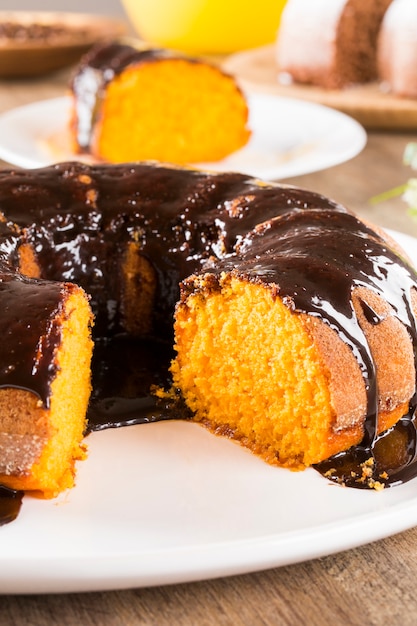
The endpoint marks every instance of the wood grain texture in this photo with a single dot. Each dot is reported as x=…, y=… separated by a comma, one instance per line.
x=373, y=585
x=75, y=33
x=369, y=104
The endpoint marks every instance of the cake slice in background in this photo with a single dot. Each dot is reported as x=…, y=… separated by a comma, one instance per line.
x=134, y=104
x=329, y=43
x=397, y=49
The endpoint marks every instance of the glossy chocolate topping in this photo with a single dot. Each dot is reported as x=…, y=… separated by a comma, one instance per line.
x=79, y=219
x=28, y=329
x=30, y=333
x=10, y=503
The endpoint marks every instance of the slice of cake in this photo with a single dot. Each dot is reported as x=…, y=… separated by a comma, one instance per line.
x=44, y=384
x=151, y=104
x=329, y=43
x=397, y=49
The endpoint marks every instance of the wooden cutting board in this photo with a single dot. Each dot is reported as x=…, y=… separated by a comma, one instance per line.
x=34, y=43
x=368, y=104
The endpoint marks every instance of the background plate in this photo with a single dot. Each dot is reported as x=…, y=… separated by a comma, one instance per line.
x=169, y=502
x=290, y=137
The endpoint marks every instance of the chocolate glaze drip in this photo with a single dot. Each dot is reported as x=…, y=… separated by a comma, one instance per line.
x=10, y=504
x=125, y=369
x=29, y=333
x=80, y=219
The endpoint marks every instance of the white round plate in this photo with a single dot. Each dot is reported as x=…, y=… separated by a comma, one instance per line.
x=289, y=137
x=169, y=502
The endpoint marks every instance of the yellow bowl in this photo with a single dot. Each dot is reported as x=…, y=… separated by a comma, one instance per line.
x=206, y=26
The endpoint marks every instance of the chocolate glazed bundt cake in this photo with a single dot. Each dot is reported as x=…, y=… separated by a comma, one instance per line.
x=294, y=326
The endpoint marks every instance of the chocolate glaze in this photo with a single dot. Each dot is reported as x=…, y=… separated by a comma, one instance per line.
x=80, y=218
x=30, y=333
x=124, y=370
x=28, y=329
x=10, y=504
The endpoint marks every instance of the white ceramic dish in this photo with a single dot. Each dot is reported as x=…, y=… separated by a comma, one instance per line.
x=169, y=502
x=290, y=137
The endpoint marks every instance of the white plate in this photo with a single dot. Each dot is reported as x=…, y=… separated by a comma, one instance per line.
x=169, y=502
x=290, y=137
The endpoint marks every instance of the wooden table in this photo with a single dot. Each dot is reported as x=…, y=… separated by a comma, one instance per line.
x=372, y=585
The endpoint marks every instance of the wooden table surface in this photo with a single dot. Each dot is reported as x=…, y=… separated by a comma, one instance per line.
x=371, y=585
